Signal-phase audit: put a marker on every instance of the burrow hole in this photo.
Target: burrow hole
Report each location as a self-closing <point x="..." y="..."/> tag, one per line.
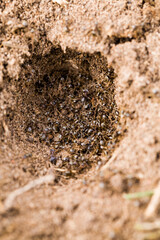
<point x="66" y="102"/>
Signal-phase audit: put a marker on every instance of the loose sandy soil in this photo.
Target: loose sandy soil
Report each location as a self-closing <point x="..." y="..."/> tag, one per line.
<point x="80" y="114"/>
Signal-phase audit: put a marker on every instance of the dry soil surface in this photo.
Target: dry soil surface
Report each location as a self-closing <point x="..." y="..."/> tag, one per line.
<point x="79" y="119"/>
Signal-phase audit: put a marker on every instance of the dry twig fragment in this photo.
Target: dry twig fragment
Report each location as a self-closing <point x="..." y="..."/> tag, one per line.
<point x="6" y="129"/>
<point x="12" y="196"/>
<point x="154" y="203"/>
<point x="60" y="2"/>
<point x="148" y="226"/>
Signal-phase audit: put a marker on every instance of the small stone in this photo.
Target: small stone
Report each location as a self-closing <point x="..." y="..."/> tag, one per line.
<point x="101" y="142"/>
<point x="136" y="203"/>
<point x="112" y="235"/>
<point x="103" y="125"/>
<point x="24" y="23"/>
<point x="99" y="163"/>
<point x="155" y="91"/>
<point x="72" y="150"/>
<point x="102" y="185"/>
<point x="29" y="129"/>
<point x="66" y="159"/>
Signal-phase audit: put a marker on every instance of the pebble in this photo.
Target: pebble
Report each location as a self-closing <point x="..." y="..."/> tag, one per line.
<point x="24" y="23"/>
<point x="102" y="185"/>
<point x="112" y="235"/>
<point x="155" y="91"/>
<point x="136" y="203"/>
<point x="101" y="142"/>
<point x="76" y="112"/>
<point x="29" y="129"/>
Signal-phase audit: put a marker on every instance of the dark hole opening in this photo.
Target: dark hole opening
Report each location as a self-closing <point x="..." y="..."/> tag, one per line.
<point x="66" y="102"/>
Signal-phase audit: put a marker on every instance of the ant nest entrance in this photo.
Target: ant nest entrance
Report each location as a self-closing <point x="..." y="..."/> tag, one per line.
<point x="66" y="101"/>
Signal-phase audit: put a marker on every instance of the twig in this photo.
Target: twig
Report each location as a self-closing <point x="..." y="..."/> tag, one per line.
<point x="153" y="205"/>
<point x="60" y="2"/>
<point x="12" y="196"/>
<point x="152" y="236"/>
<point x="136" y="195"/>
<point x="63" y="170"/>
<point x="149" y="230"/>
<point x="148" y="226"/>
<point x="60" y="169"/>
<point x="6" y="129"/>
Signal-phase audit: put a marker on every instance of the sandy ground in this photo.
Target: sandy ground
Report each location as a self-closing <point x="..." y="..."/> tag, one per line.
<point x="63" y="190"/>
